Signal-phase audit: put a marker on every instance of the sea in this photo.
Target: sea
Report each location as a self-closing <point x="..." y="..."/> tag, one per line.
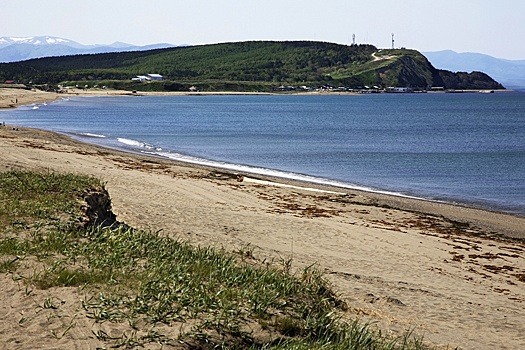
<point x="464" y="148"/>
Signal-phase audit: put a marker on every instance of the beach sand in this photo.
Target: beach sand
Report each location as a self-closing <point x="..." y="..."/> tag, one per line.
<point x="11" y="97"/>
<point x="14" y="97"/>
<point x="453" y="275"/>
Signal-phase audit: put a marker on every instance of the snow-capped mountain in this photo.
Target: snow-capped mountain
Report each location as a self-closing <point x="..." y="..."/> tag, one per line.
<point x="37" y="40"/>
<point x="14" y="49"/>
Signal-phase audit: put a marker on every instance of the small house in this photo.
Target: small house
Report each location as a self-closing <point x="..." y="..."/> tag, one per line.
<point x="399" y="89"/>
<point x="157" y="77"/>
<point x="141" y="78"/>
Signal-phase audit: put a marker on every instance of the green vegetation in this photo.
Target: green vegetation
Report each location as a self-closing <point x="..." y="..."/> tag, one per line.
<point x="159" y="290"/>
<point x="30" y="201"/>
<point x="245" y="66"/>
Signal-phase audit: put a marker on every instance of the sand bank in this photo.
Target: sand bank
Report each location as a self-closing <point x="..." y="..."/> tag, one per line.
<point x="11" y="97"/>
<point x="447" y="272"/>
<point x="14" y="97"/>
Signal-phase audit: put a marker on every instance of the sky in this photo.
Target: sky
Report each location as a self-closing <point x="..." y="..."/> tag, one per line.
<point x="496" y="28"/>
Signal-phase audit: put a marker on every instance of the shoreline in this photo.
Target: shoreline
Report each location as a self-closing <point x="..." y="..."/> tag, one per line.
<point x="499" y="223"/>
<point x="487" y="218"/>
<point x="16" y="97"/>
<point x="446" y="272"/>
<point x="469" y="211"/>
<point x="493" y="219"/>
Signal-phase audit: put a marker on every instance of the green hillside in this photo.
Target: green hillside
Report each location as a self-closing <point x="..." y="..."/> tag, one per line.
<point x="255" y="65"/>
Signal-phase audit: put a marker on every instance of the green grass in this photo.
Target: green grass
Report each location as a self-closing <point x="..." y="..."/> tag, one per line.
<point x="161" y="290"/>
<point x="29" y="199"/>
<point x="357" y="70"/>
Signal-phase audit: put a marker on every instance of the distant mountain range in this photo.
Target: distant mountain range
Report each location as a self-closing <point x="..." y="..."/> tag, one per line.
<point x="510" y="73"/>
<point x="14" y="49"/>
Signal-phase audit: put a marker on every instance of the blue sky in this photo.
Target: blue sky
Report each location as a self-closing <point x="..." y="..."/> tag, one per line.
<point x="492" y="27"/>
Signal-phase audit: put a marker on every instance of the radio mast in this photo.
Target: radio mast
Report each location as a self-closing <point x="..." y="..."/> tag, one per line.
<point x="353" y="39"/>
<point x="392" y="41"/>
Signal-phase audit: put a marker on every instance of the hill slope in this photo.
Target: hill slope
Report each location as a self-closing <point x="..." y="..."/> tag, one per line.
<point x="260" y="64"/>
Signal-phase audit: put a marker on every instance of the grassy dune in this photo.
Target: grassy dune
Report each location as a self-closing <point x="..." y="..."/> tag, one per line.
<point x="142" y="288"/>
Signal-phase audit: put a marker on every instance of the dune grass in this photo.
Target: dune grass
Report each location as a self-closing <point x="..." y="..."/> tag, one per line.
<point x="143" y="287"/>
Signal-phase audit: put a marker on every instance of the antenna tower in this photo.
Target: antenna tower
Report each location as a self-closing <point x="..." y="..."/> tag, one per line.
<point x="392" y="41"/>
<point x="353" y="39"/>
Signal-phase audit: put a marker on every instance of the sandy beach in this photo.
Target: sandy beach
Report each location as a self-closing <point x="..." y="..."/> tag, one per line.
<point x="14" y="97"/>
<point x="452" y="274"/>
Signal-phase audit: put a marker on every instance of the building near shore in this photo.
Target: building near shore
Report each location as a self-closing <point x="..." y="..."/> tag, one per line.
<point x="148" y="77"/>
<point x="140" y="78"/>
<point x="399" y="89"/>
<point x="157" y="77"/>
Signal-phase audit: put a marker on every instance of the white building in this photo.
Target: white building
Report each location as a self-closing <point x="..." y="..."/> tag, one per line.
<point x="155" y="77"/>
<point x="399" y="89"/>
<point x="148" y="77"/>
<point x="141" y="78"/>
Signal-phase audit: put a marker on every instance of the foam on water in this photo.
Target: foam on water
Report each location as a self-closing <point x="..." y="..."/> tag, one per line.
<point x="274" y="173"/>
<point x="138" y="144"/>
<point x="135" y="143"/>
<point x="92" y="135"/>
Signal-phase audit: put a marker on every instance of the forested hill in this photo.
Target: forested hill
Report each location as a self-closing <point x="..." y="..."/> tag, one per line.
<point x="255" y="65"/>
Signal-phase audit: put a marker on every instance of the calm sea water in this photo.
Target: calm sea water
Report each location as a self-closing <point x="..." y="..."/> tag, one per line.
<point x="466" y="148"/>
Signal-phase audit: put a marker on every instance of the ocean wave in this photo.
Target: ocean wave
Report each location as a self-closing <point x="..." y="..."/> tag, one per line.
<point x="276" y="173"/>
<point x="88" y="134"/>
<point x="138" y="144"/>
